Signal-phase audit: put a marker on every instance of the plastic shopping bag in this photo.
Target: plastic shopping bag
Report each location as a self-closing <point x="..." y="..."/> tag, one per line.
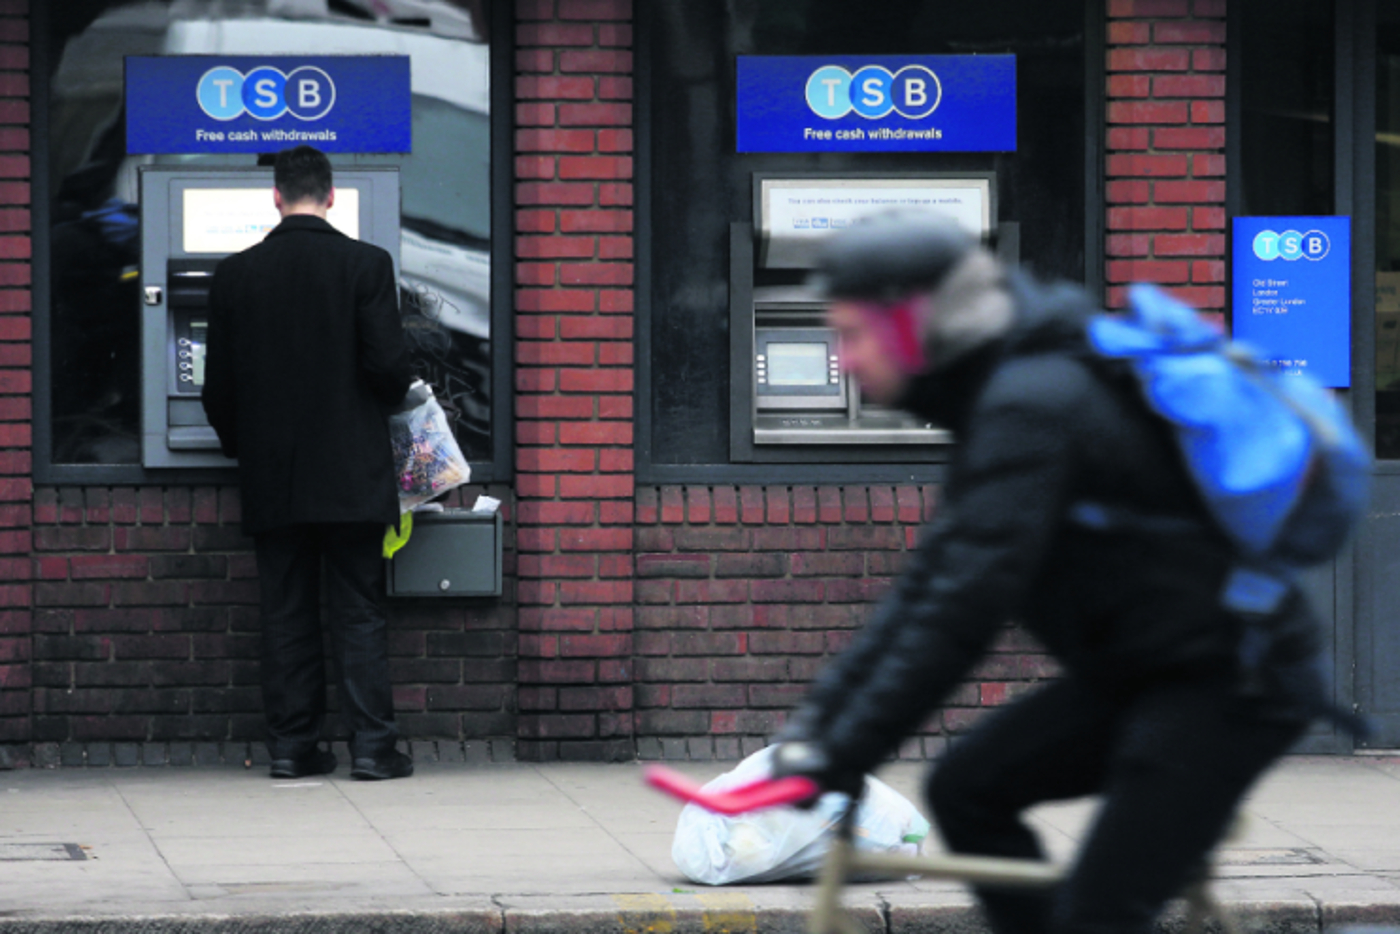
<point x="427" y="459"/>
<point x="784" y="842"/>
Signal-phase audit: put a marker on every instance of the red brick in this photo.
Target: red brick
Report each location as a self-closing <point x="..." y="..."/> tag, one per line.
<point x="1189" y="32"/>
<point x="595" y="221"/>
<point x="614" y="247"/>
<point x="1189" y="137"/>
<point x="612" y="644"/>
<point x="615" y="302"/>
<point x="527" y="407"/>
<point x="595" y="380"/>
<point x="554" y="460"/>
<point x="535" y="114"/>
<point x="554" y="87"/>
<point x="615" y="460"/>
<point x="595" y="273"/>
<point x="554" y="140"/>
<point x="1129" y="191"/>
<point x="563" y="193"/>
<point x="539" y="60"/>
<point x="556" y="300"/>
<point x="1208" y="218"/>
<point x="1207" y="112"/>
<point x="1129" y="245"/>
<point x="607" y="114"/>
<point x="535" y="273"/>
<point x="554" y="34"/>
<point x="595" y="433"/>
<point x="529" y="485"/>
<point x="1204" y="272"/>
<point x="1149" y="59"/>
<point x="534" y="9"/>
<point x="1157" y="112"/>
<point x="1147" y="218"/>
<point x="779" y="506"/>
<point x="531" y="380"/>
<point x="576" y="328"/>
<point x="609" y="486"/>
<point x="1146" y="8"/>
<point x="614" y="87"/>
<point x="595" y="539"/>
<point x="573" y="593"/>
<point x="1212" y="85"/>
<point x="1147" y="271"/>
<point x="595" y="61"/>
<point x="614" y="10"/>
<point x="1129" y="33"/>
<point x="1208" y="60"/>
<point x="1189" y="192"/>
<point x="615" y="194"/>
<point x="615" y="35"/>
<point x="615" y="141"/>
<point x="1129" y="86"/>
<point x="540" y="222"/>
<point x="536" y="327"/>
<point x="555" y="247"/>
<point x="555" y="513"/>
<point x="1132" y="138"/>
<point x="1208" y="165"/>
<point x="1189" y="244"/>
<point x="615" y="407"/>
<point x="595" y="167"/>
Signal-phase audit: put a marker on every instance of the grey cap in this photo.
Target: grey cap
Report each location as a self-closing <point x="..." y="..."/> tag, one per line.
<point x="891" y="254"/>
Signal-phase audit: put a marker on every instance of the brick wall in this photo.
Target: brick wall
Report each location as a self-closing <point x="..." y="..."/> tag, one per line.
<point x="145" y="629"/>
<point x="574" y="376"/>
<point x="743" y="593"/>
<point x="15" y="380"/>
<point x="1166" y="149"/>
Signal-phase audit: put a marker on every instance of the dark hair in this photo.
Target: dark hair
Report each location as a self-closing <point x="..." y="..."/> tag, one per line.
<point x="302" y="173"/>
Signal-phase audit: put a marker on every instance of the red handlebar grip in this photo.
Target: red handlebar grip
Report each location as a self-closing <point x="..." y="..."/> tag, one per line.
<point x="764" y="793"/>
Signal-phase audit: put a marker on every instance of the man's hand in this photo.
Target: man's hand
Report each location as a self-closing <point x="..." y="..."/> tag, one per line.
<point x="809" y="759"/>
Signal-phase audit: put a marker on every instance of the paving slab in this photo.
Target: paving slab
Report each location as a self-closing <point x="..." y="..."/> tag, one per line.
<point x="490" y="848"/>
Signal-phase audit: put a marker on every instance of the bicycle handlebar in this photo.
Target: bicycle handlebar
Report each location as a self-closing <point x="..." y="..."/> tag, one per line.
<point x="764" y="793"/>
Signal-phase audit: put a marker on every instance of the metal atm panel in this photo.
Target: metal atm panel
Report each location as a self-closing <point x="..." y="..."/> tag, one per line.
<point x="191" y="218"/>
<point x="797" y="402"/>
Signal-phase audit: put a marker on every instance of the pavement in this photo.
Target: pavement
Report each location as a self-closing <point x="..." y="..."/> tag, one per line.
<point x="515" y="848"/>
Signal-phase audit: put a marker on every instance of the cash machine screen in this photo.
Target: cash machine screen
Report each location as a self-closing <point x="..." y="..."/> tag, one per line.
<point x="227" y="220"/>
<point x="797" y="364"/>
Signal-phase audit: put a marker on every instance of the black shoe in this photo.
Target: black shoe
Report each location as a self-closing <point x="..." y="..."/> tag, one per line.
<point x="315" y="762"/>
<point x="391" y="765"/>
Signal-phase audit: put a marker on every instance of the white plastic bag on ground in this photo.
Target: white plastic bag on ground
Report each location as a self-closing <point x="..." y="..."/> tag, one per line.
<point x="785" y="842"/>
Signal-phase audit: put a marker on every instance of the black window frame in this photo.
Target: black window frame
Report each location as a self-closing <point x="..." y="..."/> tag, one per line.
<point x="498" y="469"/>
<point x="816" y="467"/>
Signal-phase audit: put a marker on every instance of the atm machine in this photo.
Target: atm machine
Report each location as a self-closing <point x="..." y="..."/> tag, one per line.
<point x="192" y="217"/>
<point x="785" y="360"/>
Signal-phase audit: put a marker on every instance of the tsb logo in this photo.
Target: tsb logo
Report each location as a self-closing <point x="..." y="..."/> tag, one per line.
<point x="1291" y="245"/>
<point x="873" y="92"/>
<point x="225" y="93"/>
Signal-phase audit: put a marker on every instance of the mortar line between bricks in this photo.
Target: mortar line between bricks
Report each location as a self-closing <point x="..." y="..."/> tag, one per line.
<point x="146" y="832"/>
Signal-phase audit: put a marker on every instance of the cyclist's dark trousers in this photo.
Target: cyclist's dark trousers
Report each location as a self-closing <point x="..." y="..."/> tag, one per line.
<point x="1172" y="764"/>
<point x="290" y="562"/>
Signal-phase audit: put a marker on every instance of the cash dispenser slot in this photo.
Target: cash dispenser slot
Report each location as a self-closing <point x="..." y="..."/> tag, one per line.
<point x="187" y="296"/>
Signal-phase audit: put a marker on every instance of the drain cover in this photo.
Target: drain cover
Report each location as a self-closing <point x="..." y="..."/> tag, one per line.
<point x="28" y="852"/>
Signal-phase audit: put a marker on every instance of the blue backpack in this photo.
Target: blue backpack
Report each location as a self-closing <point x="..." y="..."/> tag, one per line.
<point x="1275" y="458"/>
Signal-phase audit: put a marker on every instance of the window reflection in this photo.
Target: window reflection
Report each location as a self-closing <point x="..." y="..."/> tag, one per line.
<point x="445" y="250"/>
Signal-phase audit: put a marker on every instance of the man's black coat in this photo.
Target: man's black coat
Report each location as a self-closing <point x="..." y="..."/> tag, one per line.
<point x="1040" y="428"/>
<point x="306" y="354"/>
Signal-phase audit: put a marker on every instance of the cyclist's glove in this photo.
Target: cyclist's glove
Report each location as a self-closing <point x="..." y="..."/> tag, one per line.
<point x="809" y="759"/>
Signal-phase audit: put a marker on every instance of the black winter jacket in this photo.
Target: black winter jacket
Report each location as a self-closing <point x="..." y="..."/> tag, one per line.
<point x="306" y="355"/>
<point x="1040" y="426"/>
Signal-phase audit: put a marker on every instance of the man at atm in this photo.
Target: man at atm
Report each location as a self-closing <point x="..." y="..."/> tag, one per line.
<point x="306" y="355"/>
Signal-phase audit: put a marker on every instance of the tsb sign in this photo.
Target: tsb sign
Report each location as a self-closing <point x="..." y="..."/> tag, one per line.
<point x="265" y="93"/>
<point x="1291" y="245"/>
<point x="873" y="92"/>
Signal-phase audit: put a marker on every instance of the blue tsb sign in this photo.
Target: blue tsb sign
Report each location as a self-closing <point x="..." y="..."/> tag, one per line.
<point x="228" y="104"/>
<point x="887" y="103"/>
<point x="1292" y="293"/>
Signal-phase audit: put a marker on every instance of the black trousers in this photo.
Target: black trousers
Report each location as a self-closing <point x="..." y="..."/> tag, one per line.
<point x="290" y="565"/>
<point x="1172" y="764"/>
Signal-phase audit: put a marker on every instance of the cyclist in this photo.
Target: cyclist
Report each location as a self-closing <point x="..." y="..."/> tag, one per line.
<point x="1155" y="708"/>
